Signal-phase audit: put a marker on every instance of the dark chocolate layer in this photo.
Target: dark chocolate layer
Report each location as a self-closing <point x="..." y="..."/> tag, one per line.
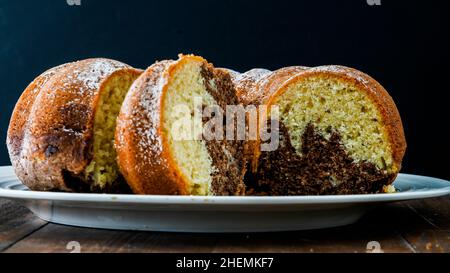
<point x="226" y="155"/>
<point x="76" y="183"/>
<point x="323" y="168"/>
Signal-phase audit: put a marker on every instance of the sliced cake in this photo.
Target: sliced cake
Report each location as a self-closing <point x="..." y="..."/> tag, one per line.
<point x="61" y="132"/>
<point x="339" y="130"/>
<point x="160" y="138"/>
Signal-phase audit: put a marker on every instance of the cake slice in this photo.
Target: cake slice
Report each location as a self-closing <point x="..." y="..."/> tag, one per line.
<point x="339" y="130"/>
<point x="61" y="132"/>
<point x="160" y="141"/>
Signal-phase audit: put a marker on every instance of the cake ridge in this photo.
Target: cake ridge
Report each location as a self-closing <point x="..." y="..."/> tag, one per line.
<point x="50" y="131"/>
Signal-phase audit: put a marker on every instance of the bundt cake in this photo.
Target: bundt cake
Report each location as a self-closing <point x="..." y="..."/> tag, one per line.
<point x="99" y="125"/>
<point x="160" y="138"/>
<point x="339" y="132"/>
<point x="61" y="133"/>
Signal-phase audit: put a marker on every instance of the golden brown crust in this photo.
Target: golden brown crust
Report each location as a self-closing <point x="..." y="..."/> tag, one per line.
<point x="50" y="132"/>
<point x="143" y="159"/>
<point x="247" y="84"/>
<point x="144" y="155"/>
<point x="141" y="146"/>
<point x="380" y="97"/>
<point x="21" y="111"/>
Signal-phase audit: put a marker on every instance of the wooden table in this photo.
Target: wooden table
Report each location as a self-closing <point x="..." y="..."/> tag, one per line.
<point x="414" y="226"/>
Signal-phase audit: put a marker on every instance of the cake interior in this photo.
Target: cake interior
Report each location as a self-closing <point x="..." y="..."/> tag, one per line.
<point x="332" y="141"/>
<point x="103" y="170"/>
<point x="209" y="166"/>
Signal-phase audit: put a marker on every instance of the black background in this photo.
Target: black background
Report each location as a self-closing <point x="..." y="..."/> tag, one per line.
<point x="402" y="44"/>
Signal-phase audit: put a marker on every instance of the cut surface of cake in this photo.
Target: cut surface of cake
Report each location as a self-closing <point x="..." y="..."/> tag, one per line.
<point x="339" y="131"/>
<point x="160" y="140"/>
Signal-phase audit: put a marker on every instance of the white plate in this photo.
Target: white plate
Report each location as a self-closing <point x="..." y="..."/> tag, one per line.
<point x="210" y="214"/>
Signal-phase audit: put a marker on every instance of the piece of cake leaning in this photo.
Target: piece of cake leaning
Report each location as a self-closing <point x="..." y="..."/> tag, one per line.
<point x="61" y="132"/>
<point x="160" y="140"/>
<point x="340" y="133"/>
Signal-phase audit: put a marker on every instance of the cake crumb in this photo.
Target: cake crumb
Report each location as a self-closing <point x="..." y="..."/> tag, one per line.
<point x="389" y="189"/>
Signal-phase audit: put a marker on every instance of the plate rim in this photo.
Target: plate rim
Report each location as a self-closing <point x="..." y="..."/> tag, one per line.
<point x="222" y="200"/>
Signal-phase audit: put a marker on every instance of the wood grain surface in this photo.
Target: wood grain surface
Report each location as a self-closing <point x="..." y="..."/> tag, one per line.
<point x="414" y="226"/>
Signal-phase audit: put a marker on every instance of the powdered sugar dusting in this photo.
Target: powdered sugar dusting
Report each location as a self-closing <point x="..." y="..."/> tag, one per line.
<point x="255" y="74"/>
<point x="24" y="117"/>
<point x="141" y="119"/>
<point x="349" y="72"/>
<point x="151" y="110"/>
<point x="96" y="72"/>
<point x="246" y="84"/>
<point x="60" y="104"/>
<point x="44" y="77"/>
<point x="148" y="134"/>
